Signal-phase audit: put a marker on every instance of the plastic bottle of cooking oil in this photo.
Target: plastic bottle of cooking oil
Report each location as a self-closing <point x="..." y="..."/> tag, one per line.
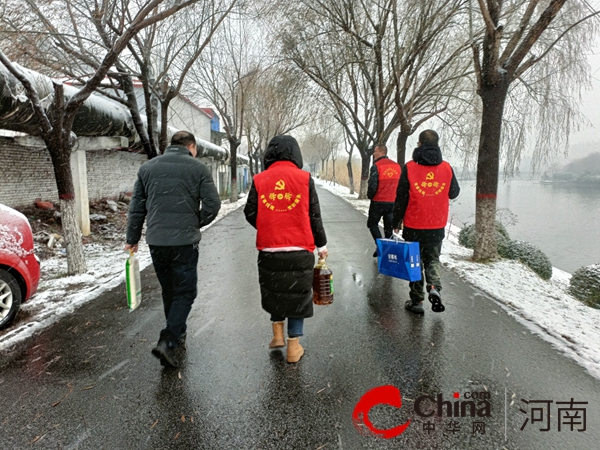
<point x="322" y="284"/>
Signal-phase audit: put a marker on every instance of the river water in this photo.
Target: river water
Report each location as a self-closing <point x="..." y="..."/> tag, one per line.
<point x="563" y="220"/>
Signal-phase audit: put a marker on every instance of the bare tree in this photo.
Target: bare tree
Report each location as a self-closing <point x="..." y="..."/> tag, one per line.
<point x="349" y="147"/>
<point x="383" y="64"/>
<point x="534" y="44"/>
<point x="56" y="119"/>
<point x="167" y="53"/>
<point x="279" y="102"/>
<point x="159" y="56"/>
<point x="224" y="75"/>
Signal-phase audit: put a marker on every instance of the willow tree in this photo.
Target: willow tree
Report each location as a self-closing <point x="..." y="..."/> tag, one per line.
<point x="57" y="112"/>
<point x="532" y="51"/>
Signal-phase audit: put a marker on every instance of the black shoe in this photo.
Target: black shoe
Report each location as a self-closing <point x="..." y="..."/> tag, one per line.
<point x="181" y="340"/>
<point x="376" y="254"/>
<point x="436" y="301"/>
<point x="165" y="353"/>
<point x="416" y="308"/>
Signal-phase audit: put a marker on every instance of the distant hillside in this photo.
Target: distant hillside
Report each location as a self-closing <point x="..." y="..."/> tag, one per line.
<point x="580" y="150"/>
<point x="584" y="170"/>
<point x="587" y="164"/>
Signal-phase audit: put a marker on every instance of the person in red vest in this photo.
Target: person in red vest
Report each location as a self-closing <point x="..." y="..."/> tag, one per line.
<point x="284" y="208"/>
<point x="422" y="202"/>
<point x="383" y="181"/>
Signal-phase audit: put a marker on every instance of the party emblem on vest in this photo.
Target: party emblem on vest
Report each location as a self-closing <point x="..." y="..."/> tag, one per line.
<point x="429" y="186"/>
<point x="390" y="172"/>
<point x="280" y="201"/>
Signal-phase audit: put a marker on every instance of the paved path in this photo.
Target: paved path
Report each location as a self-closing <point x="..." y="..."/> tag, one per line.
<point x="90" y="382"/>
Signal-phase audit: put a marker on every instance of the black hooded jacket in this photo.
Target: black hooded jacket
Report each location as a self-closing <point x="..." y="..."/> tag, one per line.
<point x="427" y="155"/>
<point x="286" y="148"/>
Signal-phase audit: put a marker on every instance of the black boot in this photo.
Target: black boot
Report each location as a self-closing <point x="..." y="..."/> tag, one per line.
<point x="436" y="300"/>
<point x="416" y="308"/>
<point x="166" y="353"/>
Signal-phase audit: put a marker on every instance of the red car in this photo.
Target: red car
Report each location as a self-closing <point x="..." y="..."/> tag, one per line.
<point x="19" y="267"/>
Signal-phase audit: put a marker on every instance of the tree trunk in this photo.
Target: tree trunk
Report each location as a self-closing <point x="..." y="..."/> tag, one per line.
<point x="151" y="111"/>
<point x="233" y="146"/>
<point x="60" y="151"/>
<point x="401" y="146"/>
<point x="333" y="171"/>
<point x="488" y="166"/>
<point x="250" y="164"/>
<point x="364" y="175"/>
<point x="350" y="174"/>
<point x="135" y="113"/>
<point x="163" y="141"/>
<point x="75" y="256"/>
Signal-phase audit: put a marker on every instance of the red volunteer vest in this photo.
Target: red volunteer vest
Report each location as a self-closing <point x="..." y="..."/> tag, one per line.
<point x="282" y="218"/>
<point x="389" y="175"/>
<point x="428" y="196"/>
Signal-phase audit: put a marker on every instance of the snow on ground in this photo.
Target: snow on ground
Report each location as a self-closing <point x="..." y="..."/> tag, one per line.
<point x="59" y="295"/>
<point x="544" y="307"/>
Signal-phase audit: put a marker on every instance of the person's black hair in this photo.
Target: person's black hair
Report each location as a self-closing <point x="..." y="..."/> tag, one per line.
<point x="383" y="147"/>
<point x="183" y="138"/>
<point x="429" y="137"/>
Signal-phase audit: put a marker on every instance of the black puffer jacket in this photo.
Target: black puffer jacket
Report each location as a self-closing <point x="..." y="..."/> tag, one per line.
<point x="168" y="193"/>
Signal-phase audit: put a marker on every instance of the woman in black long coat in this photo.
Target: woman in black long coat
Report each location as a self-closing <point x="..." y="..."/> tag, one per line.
<point x="283" y="206"/>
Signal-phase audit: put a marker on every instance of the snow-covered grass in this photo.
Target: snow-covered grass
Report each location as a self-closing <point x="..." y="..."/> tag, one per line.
<point x="544" y="307"/>
<point x="59" y="295"/>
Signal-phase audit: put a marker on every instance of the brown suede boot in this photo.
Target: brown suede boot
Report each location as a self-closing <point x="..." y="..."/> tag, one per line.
<point x="278" y="340"/>
<point x="294" y="350"/>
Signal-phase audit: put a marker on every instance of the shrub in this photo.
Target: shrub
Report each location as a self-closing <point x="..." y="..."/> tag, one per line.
<point x="467" y="237"/>
<point x="531" y="256"/>
<point x="585" y="285"/>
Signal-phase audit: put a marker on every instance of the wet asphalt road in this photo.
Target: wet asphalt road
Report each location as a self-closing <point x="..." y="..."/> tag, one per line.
<point x="90" y="381"/>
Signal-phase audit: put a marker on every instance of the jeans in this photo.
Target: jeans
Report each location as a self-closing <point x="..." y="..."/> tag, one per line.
<point x="295" y="326"/>
<point x="377" y="210"/>
<point x="176" y="268"/>
<point x="430" y="273"/>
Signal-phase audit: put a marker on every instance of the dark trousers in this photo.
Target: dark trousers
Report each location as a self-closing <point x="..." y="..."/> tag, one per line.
<point x="177" y="271"/>
<point x="430" y="272"/>
<point x="377" y="210"/>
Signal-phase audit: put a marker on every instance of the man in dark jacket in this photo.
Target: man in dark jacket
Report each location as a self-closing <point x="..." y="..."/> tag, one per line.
<point x="383" y="181"/>
<point x="283" y="206"/>
<point x="422" y="202"/>
<point x="167" y="194"/>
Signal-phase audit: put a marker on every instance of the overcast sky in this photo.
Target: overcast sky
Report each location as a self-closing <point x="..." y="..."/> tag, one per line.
<point x="590" y="105"/>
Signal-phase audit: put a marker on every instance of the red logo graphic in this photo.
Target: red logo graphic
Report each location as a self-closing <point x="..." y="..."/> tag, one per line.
<point x="381" y="395"/>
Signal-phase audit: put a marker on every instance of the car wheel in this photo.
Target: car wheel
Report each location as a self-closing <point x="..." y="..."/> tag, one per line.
<point x="10" y="298"/>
